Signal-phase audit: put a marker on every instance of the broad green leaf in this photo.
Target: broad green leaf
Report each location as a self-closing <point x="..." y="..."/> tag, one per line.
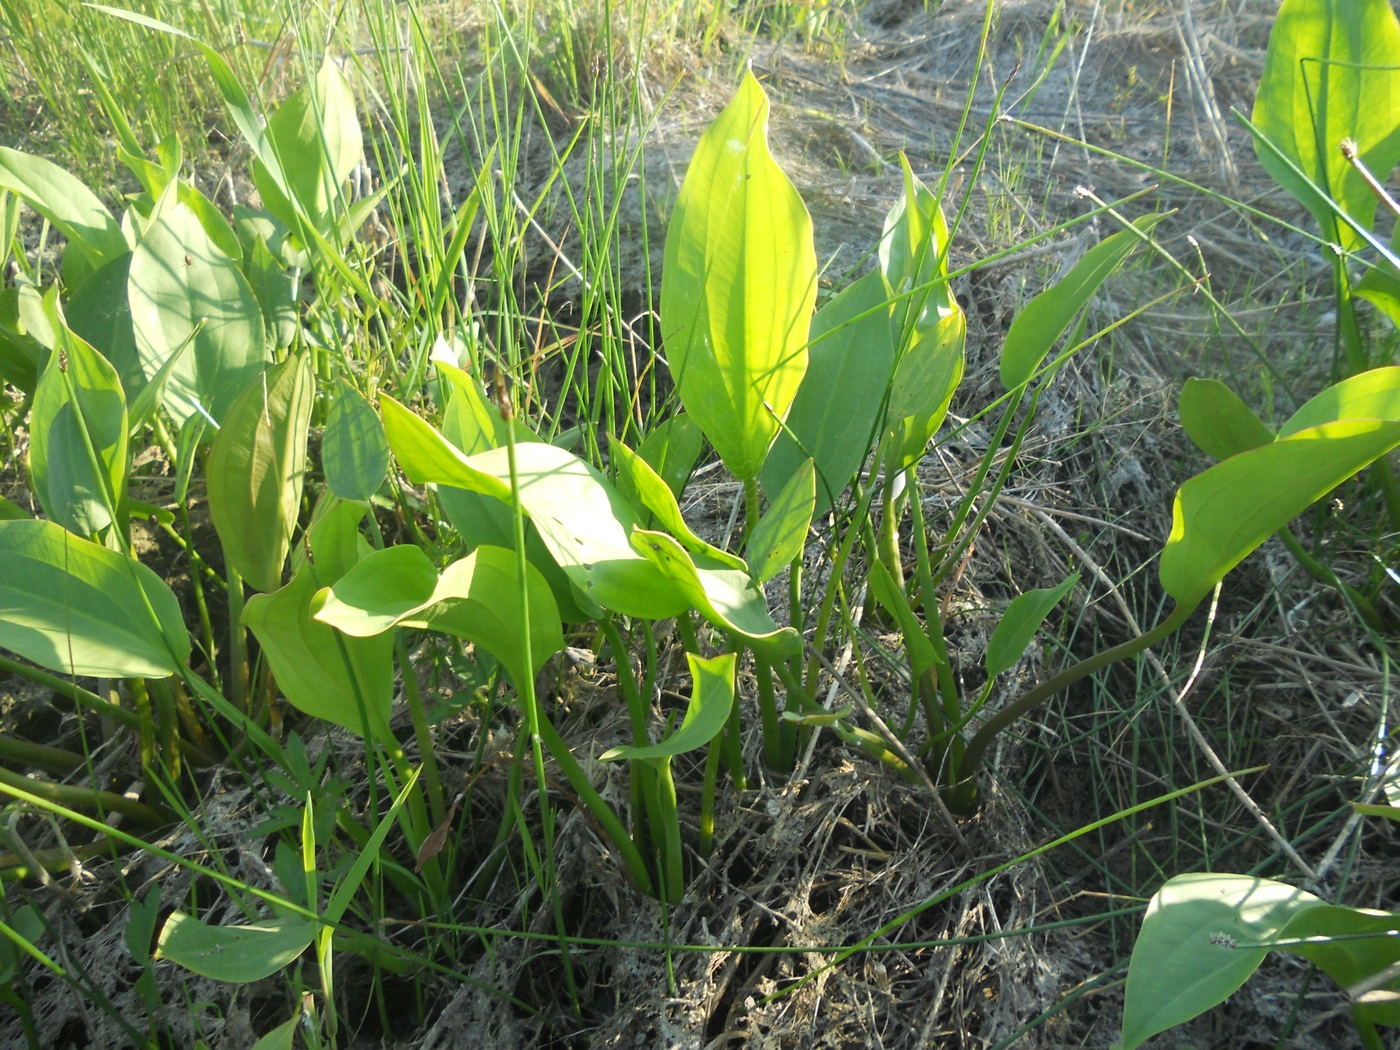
<point x="26" y="334"/>
<point x="334" y="532"/>
<point x="256" y="468"/>
<point x="182" y="284"/>
<point x="582" y="520"/>
<point x="354" y="451"/>
<point x="781" y="533"/>
<point x="320" y="671"/>
<point x="1019" y="623"/>
<point x="914" y="261"/>
<point x="1332" y="72"/>
<point x="283" y="1037"/>
<point x="1187" y="960"/>
<point x="429" y="458"/>
<point x="1045" y="318"/>
<point x="673" y="449"/>
<point x="738" y="287"/>
<point x="100" y="312"/>
<point x="888" y="593"/>
<point x="1223" y="514"/>
<point x="234" y="954"/>
<point x="724" y="596"/>
<point x="1381" y="288"/>
<point x="10" y="511"/>
<point x="378" y="591"/>
<point x="1349" y="945"/>
<point x="1368" y="395"/>
<point x="275" y="289"/>
<point x="1205" y="934"/>
<point x="469" y="421"/>
<point x="476" y="598"/>
<point x="835" y="417"/>
<point x="78" y="608"/>
<point x="316" y="138"/>
<point x="655" y="495"/>
<point x="711" y="697"/>
<point x="1217" y="421"/>
<point x="94" y="237"/>
<point x="925" y="380"/>
<point x="78" y="439"/>
<point x="211" y="219"/>
<point x="476" y="503"/>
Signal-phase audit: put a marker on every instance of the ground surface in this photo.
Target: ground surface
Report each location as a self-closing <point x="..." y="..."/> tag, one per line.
<point x="967" y="955"/>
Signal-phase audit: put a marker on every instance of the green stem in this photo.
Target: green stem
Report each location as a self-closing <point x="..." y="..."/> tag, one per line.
<point x="1324" y="575"/>
<point x="1027" y="702"/>
<point x="663" y="803"/>
<point x="50" y="759"/>
<point x="73" y="797"/>
<point x="864" y="496"/>
<point x="237" y="641"/>
<point x="707" y="796"/>
<point x="74" y="692"/>
<point x="596" y="806"/>
<point x="431" y="781"/>
<point x="639" y="773"/>
<point x="752" y="508"/>
<point x="768" y="711"/>
<point x="197" y="568"/>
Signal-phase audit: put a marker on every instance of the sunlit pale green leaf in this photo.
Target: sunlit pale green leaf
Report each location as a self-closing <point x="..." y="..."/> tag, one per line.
<point x="655" y="495"/>
<point x="256" y="468"/>
<point x="738" y="287"/>
<point x="925" y="380"/>
<point x="781" y="533"/>
<point x="234" y="954"/>
<point x="1223" y="514"/>
<point x="1332" y="72"/>
<point x="315" y="135"/>
<point x="94" y="237"/>
<point x="354" y="451"/>
<point x="78" y="608"/>
<point x="835" y="417"/>
<point x="711" y="697"/>
<point x="1045" y="318"/>
<point x="1369" y="395"/>
<point x="469" y="420"/>
<point x="1019" y="623"/>
<point x="582" y="520"/>
<point x="724" y="596"/>
<point x="476" y="598"/>
<point x="1187" y="957"/>
<point x="1217" y="421"/>
<point x="914" y="260"/>
<point x="673" y="449"/>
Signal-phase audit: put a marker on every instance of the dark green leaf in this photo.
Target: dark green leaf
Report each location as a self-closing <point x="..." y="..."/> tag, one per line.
<point x="354" y="451"/>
